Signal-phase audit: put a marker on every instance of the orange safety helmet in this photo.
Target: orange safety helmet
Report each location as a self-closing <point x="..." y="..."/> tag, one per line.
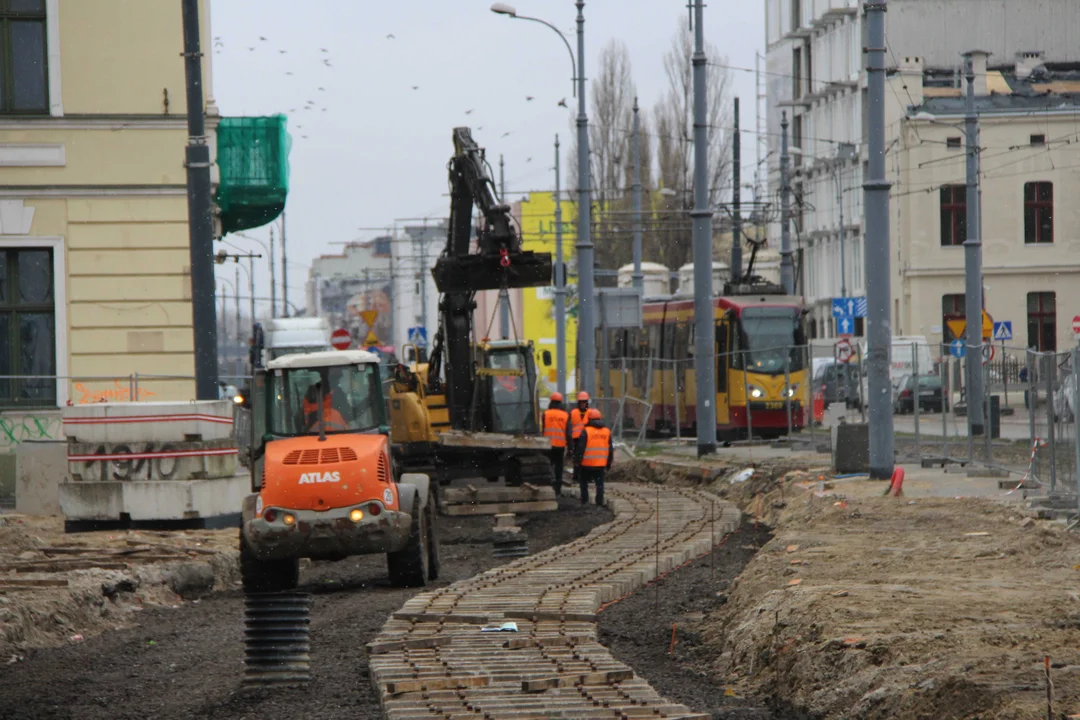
<point x="593" y="414"/>
<point x="583" y="396"/>
<point x="556" y="397"/>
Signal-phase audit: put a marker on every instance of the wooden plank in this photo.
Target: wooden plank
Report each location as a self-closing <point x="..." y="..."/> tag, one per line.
<point x="446" y="683"/>
<point x="33" y="582"/>
<point x="495" y="509"/>
<point x="414" y="644"/>
<point x="455" y="496"/>
<point x="546" y="642"/>
<point x="601" y="678"/>
<point x="556" y="616"/>
<point x="442" y="618"/>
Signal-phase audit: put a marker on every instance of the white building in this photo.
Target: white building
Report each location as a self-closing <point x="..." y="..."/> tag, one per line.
<point x="415" y="248"/>
<point x="814" y="60"/>
<point x="341" y="286"/>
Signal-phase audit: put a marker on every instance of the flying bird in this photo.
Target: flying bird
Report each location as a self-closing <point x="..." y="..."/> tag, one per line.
<point x="304" y="136"/>
<point x="390" y="36"/>
<point x="415" y="87"/>
<point x="262" y="38"/>
<point x="283" y="51"/>
<point x="527" y="160"/>
<point x="562" y="103"/>
<point x="528" y="98"/>
<point x="324" y="49"/>
<point x="322" y="89"/>
<point x="468" y="112"/>
<point x="505" y="134"/>
<point x="480" y="128"/>
<point x="289" y="72"/>
<point x="218" y="43"/>
<point x="326" y="63"/>
<point x="251" y="48"/>
<point x="324" y="109"/>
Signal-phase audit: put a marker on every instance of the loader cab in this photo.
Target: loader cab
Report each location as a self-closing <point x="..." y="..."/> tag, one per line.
<point x="506" y="375"/>
<point x="319" y="394"/>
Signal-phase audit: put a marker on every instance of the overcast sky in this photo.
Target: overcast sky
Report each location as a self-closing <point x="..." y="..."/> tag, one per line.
<point x="372" y="149"/>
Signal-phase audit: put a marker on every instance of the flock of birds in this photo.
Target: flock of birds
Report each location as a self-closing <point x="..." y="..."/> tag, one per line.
<point x="310" y="105"/>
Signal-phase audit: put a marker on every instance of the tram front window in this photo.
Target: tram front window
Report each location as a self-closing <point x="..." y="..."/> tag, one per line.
<point x="769" y="338"/>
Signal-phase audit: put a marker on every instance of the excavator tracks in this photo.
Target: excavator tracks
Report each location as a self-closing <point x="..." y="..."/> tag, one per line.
<point x="432" y="659"/>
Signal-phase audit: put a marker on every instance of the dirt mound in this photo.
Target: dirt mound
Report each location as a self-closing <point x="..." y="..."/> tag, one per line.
<point x="886" y="607"/>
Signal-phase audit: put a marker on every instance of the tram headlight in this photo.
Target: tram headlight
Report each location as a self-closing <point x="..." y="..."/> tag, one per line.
<point x="756" y="393"/>
<point x="791" y="391"/>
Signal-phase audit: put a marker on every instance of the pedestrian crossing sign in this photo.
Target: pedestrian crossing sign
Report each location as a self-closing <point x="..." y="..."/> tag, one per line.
<point x="1003" y="331"/>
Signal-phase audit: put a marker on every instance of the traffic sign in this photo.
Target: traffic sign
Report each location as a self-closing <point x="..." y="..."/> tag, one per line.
<point x="341" y="339"/>
<point x="1003" y="330"/>
<point x="844" y="351"/>
<point x="418" y="335"/>
<point x="371" y="339"/>
<point x="957" y="349"/>
<point x="845" y="325"/>
<point x="368" y="316"/>
<point x="987" y="353"/>
<point x="959" y="326"/>
<point x="1076" y="325"/>
<point x="849" y="307"/>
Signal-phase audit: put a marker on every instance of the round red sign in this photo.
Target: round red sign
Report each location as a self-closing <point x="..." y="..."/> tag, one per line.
<point x="341" y="339"/>
<point x="1076" y="324"/>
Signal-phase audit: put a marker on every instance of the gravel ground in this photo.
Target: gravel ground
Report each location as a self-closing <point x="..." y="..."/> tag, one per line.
<point x="188" y="662"/>
<point x="684" y="599"/>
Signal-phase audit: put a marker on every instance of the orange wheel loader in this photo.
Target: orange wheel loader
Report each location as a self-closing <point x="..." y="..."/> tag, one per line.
<point x="324" y="483"/>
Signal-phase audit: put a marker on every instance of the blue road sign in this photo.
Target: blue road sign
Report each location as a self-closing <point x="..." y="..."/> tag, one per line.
<point x="418" y="335"/>
<point x="845" y="325"/>
<point x="849" y="307"/>
<point x="1003" y="330"/>
<point x="957" y="349"/>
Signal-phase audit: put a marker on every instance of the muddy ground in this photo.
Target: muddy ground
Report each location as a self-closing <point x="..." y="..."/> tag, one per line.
<point x="187" y="661"/>
<point x="676" y="607"/>
<point x="880" y="607"/>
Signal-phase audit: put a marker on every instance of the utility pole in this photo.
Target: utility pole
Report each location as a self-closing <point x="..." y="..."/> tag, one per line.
<point x="638" y="277"/>
<point x="239" y="342"/>
<point x="560" y="285"/>
<point x="200" y="221"/>
<point x="973" y="301"/>
<point x="423" y="281"/>
<point x="584" y="245"/>
<point x="878" y="277"/>
<point x="284" y="271"/>
<point x="273" y="277"/>
<point x="760" y="137"/>
<point x="504" y="294"/>
<point x="736" y="200"/>
<point x="704" y="333"/>
<point x="787" y="269"/>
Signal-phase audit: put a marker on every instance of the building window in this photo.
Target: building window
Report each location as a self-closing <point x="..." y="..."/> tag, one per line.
<point x="953" y="143"/>
<point x="953" y="215"/>
<point x="1042" y="321"/>
<point x="23" y="72"/>
<point x="27" y="328"/>
<point x="1038" y="139"/>
<point x="796" y="68"/>
<point x="1038" y="212"/>
<point x="953" y="307"/>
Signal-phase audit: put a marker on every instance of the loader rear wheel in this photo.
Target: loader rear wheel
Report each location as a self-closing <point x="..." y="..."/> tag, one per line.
<point x="433" y="540"/>
<point x="411" y="566"/>
<point x="266" y="576"/>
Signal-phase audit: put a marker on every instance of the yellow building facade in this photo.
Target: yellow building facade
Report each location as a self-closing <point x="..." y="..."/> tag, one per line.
<point x="536" y="213"/>
<point x="94" y="252"/>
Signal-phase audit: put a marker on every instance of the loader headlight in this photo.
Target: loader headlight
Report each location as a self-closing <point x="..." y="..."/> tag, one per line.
<point x="289" y="519"/>
<point x="356" y="515"/>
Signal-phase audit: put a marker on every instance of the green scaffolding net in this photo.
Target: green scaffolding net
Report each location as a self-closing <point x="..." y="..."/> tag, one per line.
<point x="253" y="158"/>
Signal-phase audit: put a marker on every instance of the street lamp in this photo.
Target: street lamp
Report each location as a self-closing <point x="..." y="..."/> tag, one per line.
<point x="220" y="259"/>
<point x="273" y="272"/>
<point x="584" y="246"/>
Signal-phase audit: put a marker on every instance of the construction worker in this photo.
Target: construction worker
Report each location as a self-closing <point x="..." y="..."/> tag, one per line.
<point x="554" y="423"/>
<point x="333" y="420"/>
<point x="577" y="417"/>
<point x="593" y="454"/>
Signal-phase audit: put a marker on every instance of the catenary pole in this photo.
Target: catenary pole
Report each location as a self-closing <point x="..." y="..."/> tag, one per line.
<point x="878" y="276"/>
<point x="638" y="277"/>
<point x="284" y="271"/>
<point x="787" y="269"/>
<point x="584" y="245"/>
<point x="973" y="301"/>
<point x="504" y="294"/>
<point x="560" y="285"/>
<point x="736" y="199"/>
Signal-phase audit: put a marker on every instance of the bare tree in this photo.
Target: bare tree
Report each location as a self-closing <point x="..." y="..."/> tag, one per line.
<point x="674" y="119"/>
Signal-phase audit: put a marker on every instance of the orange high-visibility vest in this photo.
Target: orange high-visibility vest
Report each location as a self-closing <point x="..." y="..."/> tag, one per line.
<point x="577" y="422"/>
<point x="597" y="440"/>
<point x="555" y="421"/>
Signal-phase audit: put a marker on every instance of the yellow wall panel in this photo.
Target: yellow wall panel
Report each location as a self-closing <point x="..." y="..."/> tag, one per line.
<point x="89" y="342"/>
<point x="127" y="262"/>
<point x="50" y="217"/>
<point x="84" y="391"/>
<point x="134" y="314"/>
<point x="128" y="209"/>
<point x="128" y="236"/>
<point x="122" y="365"/>
<point x="104" y="157"/>
<point x="127" y="289"/>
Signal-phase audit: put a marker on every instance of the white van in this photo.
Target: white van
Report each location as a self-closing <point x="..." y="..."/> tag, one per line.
<point x="903" y="354"/>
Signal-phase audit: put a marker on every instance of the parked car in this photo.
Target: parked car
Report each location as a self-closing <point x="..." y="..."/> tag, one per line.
<point x="930" y="393"/>
<point x="832" y="377"/>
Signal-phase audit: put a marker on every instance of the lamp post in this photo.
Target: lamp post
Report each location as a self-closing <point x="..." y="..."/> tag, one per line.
<point x="269" y="248"/>
<point x="220" y="259"/>
<point x="586" y="321"/>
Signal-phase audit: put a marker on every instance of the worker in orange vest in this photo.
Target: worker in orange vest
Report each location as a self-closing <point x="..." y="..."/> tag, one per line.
<point x="577" y="418"/>
<point x="554" y="423"/>
<point x="593" y="454"/>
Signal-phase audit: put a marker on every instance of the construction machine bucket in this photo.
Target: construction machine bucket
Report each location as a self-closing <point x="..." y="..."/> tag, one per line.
<point x="472" y="273"/>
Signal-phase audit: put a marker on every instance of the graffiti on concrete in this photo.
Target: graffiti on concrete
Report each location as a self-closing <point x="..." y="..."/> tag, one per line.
<point x="118" y="393"/>
<point x="17" y="429"/>
<point x="139" y="462"/>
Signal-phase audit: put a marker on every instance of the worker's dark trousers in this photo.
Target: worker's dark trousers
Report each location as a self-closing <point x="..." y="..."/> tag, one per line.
<point x="557" y="456"/>
<point x="596" y="475"/>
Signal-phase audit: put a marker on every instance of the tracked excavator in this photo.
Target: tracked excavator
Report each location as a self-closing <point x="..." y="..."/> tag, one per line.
<point x="472" y="409"/>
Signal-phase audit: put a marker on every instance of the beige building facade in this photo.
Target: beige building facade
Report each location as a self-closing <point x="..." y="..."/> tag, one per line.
<point x="94" y="253"/>
<point x="1030" y="177"/>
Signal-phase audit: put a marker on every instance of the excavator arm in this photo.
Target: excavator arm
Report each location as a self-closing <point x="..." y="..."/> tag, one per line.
<point x="498" y="262"/>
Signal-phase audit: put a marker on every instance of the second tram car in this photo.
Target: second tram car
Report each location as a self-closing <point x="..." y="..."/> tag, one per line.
<point x="761" y="364"/>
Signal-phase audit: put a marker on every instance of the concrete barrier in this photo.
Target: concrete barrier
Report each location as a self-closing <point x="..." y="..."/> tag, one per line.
<point x="159" y="422"/>
<point x="150" y="460"/>
<point x="40" y="466"/>
<point x="211" y="502"/>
